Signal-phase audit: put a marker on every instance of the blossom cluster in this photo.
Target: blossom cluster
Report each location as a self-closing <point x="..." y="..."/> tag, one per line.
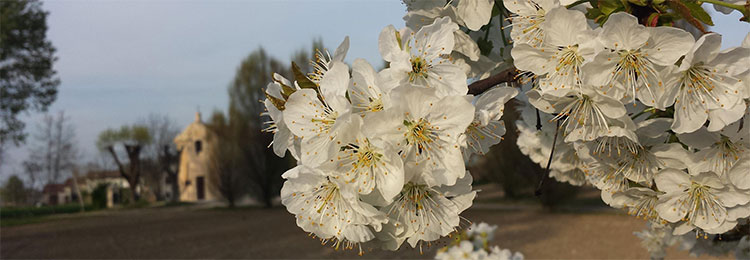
<point x="655" y="119"/>
<point x="381" y="153"/>
<point x="473" y="243"/>
<point x="657" y="237"/>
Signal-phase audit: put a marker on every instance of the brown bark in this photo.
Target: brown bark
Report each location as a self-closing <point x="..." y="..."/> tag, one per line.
<point x="481" y="86"/>
<point x="134" y="152"/>
<point x="133" y="175"/>
<point x="167" y="159"/>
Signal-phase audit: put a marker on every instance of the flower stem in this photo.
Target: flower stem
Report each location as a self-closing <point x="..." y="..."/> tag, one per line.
<point x="549" y="162"/>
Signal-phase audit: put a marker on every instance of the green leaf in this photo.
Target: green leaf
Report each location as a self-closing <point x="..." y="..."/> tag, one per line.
<point x="278" y="103"/>
<point x="609" y="7"/>
<point x="638" y="2"/>
<point x="286" y="90"/>
<point x="485" y="46"/>
<point x="302" y="80"/>
<point x="698" y="12"/>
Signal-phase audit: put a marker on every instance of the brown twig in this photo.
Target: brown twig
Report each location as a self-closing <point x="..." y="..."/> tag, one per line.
<point x="685" y="12"/>
<point x="481" y="86"/>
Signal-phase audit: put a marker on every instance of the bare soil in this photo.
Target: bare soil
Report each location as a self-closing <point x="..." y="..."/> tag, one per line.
<point x="187" y="232"/>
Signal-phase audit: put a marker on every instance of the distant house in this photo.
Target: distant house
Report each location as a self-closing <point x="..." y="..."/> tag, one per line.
<point x="196" y="144"/>
<point x="54" y="194"/>
<point x="58" y="194"/>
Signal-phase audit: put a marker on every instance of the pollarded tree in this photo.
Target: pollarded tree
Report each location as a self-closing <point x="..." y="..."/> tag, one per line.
<point x="27" y="78"/>
<point x="132" y="139"/>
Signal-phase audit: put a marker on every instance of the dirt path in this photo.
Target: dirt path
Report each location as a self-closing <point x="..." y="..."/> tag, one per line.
<point x="256" y="233"/>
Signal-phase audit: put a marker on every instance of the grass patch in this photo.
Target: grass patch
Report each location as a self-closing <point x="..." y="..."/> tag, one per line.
<point x="25" y="212"/>
<point x="176" y="204"/>
<point x="9" y="222"/>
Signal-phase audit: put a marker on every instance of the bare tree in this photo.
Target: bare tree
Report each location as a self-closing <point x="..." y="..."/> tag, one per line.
<point x="33" y="172"/>
<point x="161" y="155"/>
<point x="2" y="153"/>
<point x="53" y="152"/>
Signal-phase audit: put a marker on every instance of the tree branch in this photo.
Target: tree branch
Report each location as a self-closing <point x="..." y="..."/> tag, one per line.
<point x="481" y="86"/>
<point x="111" y="150"/>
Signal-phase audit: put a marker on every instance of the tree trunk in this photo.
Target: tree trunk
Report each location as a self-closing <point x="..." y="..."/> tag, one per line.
<point x="168" y="158"/>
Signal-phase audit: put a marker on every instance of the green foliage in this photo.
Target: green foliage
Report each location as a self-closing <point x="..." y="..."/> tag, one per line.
<point x="27" y="79"/>
<point x="659" y="12"/>
<point x="697" y="11"/>
<point x="302" y="80"/>
<point x="242" y="162"/>
<point x="24" y="212"/>
<point x="129" y="134"/>
<point x="14" y="191"/>
<point x="99" y="197"/>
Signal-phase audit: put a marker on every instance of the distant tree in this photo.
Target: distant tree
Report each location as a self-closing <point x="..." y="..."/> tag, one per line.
<point x="53" y="151"/>
<point x="242" y="161"/>
<point x="262" y="167"/>
<point x="161" y="154"/>
<point x="33" y="171"/>
<point x="27" y="79"/>
<point x="14" y="192"/>
<point x="225" y="162"/>
<point x="2" y="153"/>
<point x="132" y="139"/>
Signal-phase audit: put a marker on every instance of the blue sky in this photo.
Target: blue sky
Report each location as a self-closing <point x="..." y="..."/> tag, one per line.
<point x="122" y="60"/>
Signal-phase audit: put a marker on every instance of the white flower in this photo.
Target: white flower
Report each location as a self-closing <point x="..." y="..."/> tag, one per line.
<point x="424" y="213"/>
<point x="504" y="254"/>
<point x="643" y="158"/>
<point x="481" y="234"/>
<point x="739" y="175"/>
<point x="656" y="238"/>
<point x="527" y="18"/>
<point x="317" y="121"/>
<point x="420" y="59"/>
<point x="367" y="92"/>
<point x="475" y="13"/>
<point x="639" y="201"/>
<point x="282" y="137"/>
<point x="628" y="64"/>
<point x="701" y="200"/>
<point x="417" y="19"/>
<point x="566" y="165"/>
<point x="486" y="129"/>
<point x="569" y="44"/>
<point x="481" y="231"/>
<point x="584" y="115"/>
<point x="718" y="151"/>
<point x="324" y="62"/>
<point x="368" y="163"/>
<point x="606" y="178"/>
<point x="426" y="129"/>
<point x="324" y="206"/>
<point x="727" y="10"/>
<point x="414" y="5"/>
<point x="706" y="244"/>
<point x="707" y="81"/>
<point x="464" y="250"/>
